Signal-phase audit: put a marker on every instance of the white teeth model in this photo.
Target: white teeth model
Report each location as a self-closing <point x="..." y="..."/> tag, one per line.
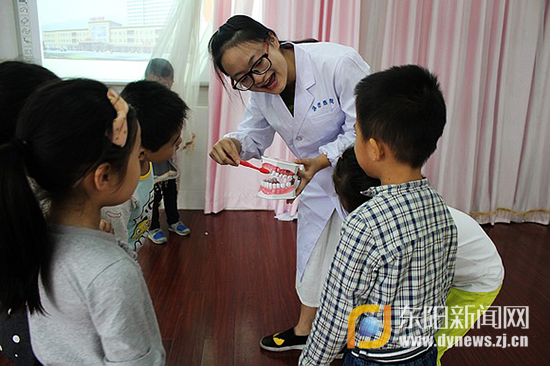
<point x="279" y="184"/>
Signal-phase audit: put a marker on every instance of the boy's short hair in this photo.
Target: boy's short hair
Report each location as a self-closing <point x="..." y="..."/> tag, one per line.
<point x="161" y="68"/>
<point x="350" y="180"/>
<point x="160" y="112"/>
<point x="404" y="108"/>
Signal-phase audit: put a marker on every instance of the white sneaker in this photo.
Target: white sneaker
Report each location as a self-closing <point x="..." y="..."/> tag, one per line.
<point x="157" y="236"/>
<point x="179" y="228"/>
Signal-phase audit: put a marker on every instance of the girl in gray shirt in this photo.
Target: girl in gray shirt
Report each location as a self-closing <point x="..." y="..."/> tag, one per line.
<point x="87" y="300"/>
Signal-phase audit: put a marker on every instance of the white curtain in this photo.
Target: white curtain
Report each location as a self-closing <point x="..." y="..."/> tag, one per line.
<point x="492" y="59"/>
<point x="183" y="43"/>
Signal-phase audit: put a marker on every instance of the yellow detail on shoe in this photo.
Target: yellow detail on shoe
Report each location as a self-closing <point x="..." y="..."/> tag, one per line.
<point x="278" y="341"/>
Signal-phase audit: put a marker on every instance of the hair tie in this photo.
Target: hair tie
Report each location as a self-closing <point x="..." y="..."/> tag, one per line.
<point x="120" y="124"/>
<point x="21" y="145"/>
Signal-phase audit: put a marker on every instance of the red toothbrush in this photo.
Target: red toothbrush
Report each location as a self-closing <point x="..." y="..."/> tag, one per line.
<point x="261" y="170"/>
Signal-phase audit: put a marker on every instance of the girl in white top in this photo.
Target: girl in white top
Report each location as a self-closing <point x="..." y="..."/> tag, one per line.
<point x="87" y="300"/>
<point x="478" y="278"/>
<point x="305" y="93"/>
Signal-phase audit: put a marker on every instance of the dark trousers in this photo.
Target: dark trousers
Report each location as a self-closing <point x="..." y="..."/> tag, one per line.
<point x="427" y="359"/>
<point x="168" y="191"/>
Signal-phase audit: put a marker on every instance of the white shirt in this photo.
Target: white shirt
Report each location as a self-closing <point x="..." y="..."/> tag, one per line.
<point x="323" y="123"/>
<point x="478" y="265"/>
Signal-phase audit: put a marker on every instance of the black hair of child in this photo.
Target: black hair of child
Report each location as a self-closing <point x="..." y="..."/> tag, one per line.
<point x="160" y="111"/>
<point x="350" y="180"/>
<point x="62" y="134"/>
<point x="404" y="108"/>
<point x="17" y="81"/>
<point x="161" y="68"/>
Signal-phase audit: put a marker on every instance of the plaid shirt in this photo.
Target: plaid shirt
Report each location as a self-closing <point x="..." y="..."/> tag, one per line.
<point x="397" y="249"/>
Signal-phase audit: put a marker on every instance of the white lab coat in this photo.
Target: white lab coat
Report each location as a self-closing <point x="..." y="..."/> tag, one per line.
<point x="323" y="123"/>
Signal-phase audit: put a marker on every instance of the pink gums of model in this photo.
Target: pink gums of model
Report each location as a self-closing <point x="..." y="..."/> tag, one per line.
<point x="282" y="181"/>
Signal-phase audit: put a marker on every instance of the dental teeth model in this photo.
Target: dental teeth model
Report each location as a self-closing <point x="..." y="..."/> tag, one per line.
<point x="282" y="181"/>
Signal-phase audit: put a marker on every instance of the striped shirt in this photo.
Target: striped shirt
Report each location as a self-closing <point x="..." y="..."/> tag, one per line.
<point x="397" y="249"/>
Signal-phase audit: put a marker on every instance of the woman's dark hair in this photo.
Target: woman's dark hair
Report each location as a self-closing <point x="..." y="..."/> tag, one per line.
<point x="17" y="81"/>
<point x="350" y="180"/>
<point x="62" y="134"/>
<point x="161" y="68"/>
<point x="236" y="30"/>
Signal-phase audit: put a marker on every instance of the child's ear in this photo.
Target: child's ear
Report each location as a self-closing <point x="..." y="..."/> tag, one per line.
<point x="376" y="149"/>
<point x="142" y="155"/>
<point x="103" y="177"/>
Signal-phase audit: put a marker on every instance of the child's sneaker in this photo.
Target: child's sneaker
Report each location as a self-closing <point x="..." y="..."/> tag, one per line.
<point x="157" y="236"/>
<point x="179" y="228"/>
<point x="284" y="341"/>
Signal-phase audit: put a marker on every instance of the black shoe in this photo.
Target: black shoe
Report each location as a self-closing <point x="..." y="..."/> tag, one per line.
<point x="284" y="341"/>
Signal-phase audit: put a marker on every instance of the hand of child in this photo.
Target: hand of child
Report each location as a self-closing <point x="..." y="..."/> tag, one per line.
<point x="106" y="226"/>
<point x="226" y="151"/>
<point x="311" y="167"/>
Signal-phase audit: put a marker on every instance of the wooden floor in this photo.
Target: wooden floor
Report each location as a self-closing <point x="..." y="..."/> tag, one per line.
<point x="219" y="290"/>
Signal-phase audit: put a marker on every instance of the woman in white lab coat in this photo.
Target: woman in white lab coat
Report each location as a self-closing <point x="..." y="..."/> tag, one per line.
<point x="304" y="92"/>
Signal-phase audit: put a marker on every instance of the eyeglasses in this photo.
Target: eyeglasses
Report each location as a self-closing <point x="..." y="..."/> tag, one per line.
<point x="260" y="67"/>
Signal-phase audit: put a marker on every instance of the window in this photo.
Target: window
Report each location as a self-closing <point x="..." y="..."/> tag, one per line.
<point x="105" y="40"/>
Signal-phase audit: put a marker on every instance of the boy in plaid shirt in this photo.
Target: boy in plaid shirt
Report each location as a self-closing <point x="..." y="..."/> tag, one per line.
<point x="399" y="248"/>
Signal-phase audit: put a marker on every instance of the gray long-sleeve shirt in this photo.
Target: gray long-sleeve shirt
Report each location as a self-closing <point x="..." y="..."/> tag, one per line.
<point x="98" y="310"/>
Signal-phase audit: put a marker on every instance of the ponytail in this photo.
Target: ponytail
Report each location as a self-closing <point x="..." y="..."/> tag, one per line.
<point x="62" y="134"/>
<point x="305" y="40"/>
<point x="24" y="247"/>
